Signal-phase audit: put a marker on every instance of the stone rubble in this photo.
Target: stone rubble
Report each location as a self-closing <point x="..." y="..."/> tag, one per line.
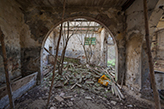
<point x="80" y="78"/>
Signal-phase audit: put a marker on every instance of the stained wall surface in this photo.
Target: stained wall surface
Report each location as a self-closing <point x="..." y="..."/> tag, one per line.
<point x="26" y="25"/>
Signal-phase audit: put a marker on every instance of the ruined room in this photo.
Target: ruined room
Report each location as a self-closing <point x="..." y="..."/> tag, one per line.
<point x="81" y="54"/>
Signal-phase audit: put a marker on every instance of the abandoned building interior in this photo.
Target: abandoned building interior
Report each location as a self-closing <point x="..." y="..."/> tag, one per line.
<point x="77" y="54"/>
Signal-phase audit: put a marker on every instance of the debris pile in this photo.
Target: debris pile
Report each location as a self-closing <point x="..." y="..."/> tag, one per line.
<point x="79" y="86"/>
<point x="95" y="79"/>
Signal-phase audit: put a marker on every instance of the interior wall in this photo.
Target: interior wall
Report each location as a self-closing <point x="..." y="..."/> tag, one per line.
<point x="11" y="23"/>
<point x="134" y="39"/>
<point x="160" y="45"/>
<point x="75" y="48"/>
<point x="26" y="28"/>
<point x="136" y="44"/>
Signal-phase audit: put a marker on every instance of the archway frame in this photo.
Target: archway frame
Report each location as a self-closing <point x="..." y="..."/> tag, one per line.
<point x="89" y="19"/>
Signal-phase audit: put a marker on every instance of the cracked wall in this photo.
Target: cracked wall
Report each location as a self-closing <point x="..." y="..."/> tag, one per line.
<point x="11" y="22"/>
<point x="27" y="28"/>
<point x="136" y="59"/>
<point x="41" y="22"/>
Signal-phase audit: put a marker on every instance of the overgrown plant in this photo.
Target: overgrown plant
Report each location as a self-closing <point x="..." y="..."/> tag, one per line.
<point x="66" y="37"/>
<point x="88" y="51"/>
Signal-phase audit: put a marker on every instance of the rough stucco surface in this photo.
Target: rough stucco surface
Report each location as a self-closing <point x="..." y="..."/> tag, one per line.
<point x="11" y="21"/>
<point x="26" y="27"/>
<point x="160" y="45"/>
<point x="40" y="21"/>
<point x="133" y="77"/>
<point x="75" y="48"/>
<point x="137" y="63"/>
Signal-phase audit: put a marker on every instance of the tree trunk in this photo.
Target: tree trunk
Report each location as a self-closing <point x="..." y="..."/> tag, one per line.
<point x="151" y="67"/>
<point x="9" y="90"/>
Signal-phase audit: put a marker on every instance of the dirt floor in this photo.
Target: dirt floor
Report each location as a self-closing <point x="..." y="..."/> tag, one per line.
<point x="64" y="98"/>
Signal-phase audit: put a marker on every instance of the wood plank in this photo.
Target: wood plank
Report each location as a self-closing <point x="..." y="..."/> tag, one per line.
<point x="4" y="101"/>
<point x="17" y="84"/>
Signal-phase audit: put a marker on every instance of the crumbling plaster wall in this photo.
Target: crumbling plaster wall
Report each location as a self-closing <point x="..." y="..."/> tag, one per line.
<point x="40" y="20"/>
<point x="136" y="59"/>
<point x="75" y="47"/>
<point x="12" y="24"/>
<point x="160" y="45"/>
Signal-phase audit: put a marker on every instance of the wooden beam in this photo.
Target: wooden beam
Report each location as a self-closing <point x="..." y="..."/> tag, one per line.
<point x="127" y="4"/>
<point x="151" y="66"/>
<point x="19" y="87"/>
<point x="83" y="27"/>
<point x="6" y="70"/>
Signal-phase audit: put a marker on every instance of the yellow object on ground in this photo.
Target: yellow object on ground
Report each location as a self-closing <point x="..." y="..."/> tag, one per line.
<point x="104" y="80"/>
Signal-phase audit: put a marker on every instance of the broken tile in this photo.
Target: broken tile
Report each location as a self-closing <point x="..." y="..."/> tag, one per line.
<point x="53" y="107"/>
<point x="62" y="94"/>
<point x="70" y="104"/>
<point x="113" y="102"/>
<point x="89" y="82"/>
<point x="58" y="98"/>
<point x="130" y="105"/>
<point x="88" y="98"/>
<point x="67" y="97"/>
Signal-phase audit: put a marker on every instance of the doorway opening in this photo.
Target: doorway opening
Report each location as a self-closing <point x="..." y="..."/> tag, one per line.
<point x="82" y="41"/>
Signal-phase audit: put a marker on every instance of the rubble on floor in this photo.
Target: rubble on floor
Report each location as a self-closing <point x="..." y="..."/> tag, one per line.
<point x="78" y="87"/>
<point x="95" y="79"/>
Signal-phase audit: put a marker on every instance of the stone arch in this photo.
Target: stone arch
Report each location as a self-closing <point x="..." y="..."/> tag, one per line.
<point x="109" y="28"/>
<point x="155" y="16"/>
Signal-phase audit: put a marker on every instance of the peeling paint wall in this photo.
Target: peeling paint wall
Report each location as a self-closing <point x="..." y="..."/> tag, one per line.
<point x="136" y="60"/>
<point x="133" y="77"/>
<point x="135" y="38"/>
<point x="29" y="27"/>
<point x="75" y="49"/>
<point x="11" y="22"/>
<point x="160" y="45"/>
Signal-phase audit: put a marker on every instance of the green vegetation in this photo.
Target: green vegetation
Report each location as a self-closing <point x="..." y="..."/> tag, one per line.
<point x="111" y="63"/>
<point x="72" y="60"/>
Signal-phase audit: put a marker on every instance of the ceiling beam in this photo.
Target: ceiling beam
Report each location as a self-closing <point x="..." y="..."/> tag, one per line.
<point x="127" y="4"/>
<point x="82" y="26"/>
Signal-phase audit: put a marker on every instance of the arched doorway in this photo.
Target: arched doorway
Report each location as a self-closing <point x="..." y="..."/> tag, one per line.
<point x="101" y="40"/>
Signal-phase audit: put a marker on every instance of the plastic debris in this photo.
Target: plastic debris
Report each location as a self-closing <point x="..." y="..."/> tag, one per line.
<point x="104" y="80"/>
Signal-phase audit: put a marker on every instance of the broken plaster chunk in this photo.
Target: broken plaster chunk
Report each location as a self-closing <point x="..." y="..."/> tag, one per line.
<point x="53" y="107"/>
<point x="65" y="62"/>
<point x="62" y="94"/>
<point x="58" y="98"/>
<point x="88" y="98"/>
<point x="89" y="82"/>
<point x="113" y="102"/>
<point x="72" y="99"/>
<point x="67" y="97"/>
<point x="70" y="104"/>
<point x="130" y="105"/>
